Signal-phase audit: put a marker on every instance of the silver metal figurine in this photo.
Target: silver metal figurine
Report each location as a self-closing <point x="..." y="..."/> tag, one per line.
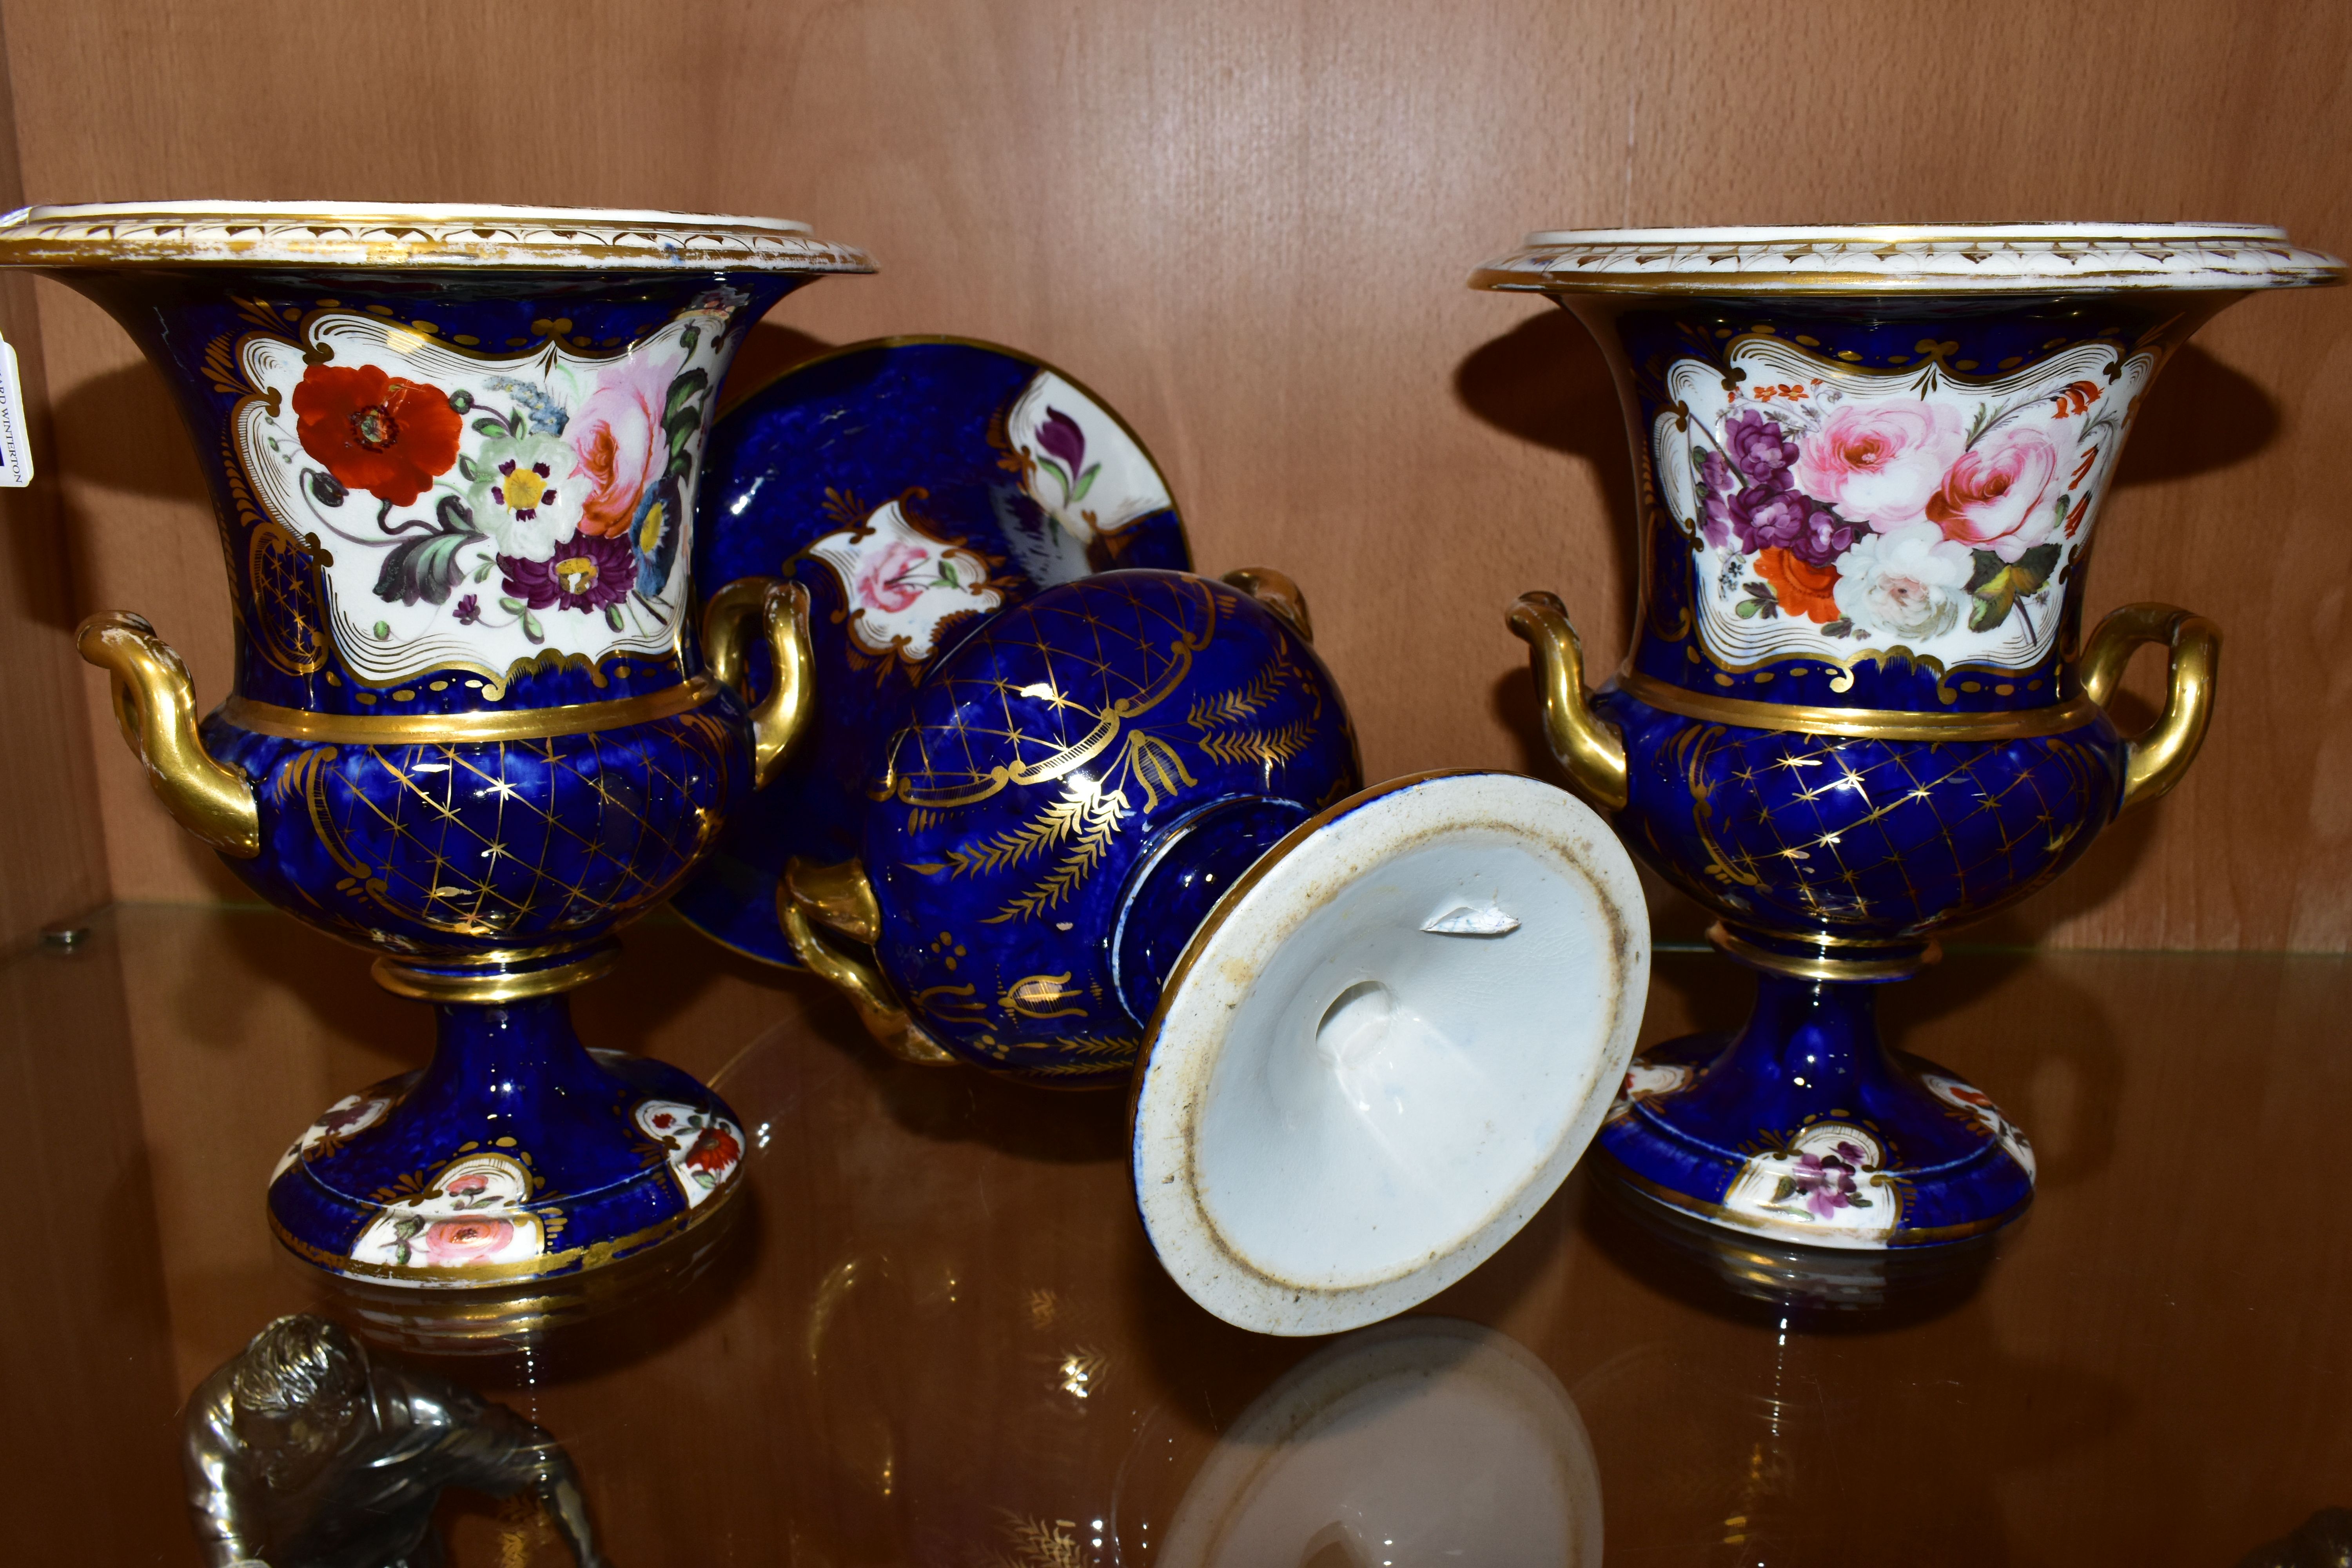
<point x="304" y="1451"/>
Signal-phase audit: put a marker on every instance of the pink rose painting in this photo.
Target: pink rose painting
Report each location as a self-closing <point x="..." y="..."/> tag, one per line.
<point x="461" y="1241"/>
<point x="1880" y="463"/>
<point x="1887" y="515"/>
<point x="618" y="442"/>
<point x="1991" y="498"/>
<point x="884" y="578"/>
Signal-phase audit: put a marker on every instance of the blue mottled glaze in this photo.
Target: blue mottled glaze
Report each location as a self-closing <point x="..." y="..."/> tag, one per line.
<point x="1076" y="783"/>
<point x="903" y="418"/>
<point x="454" y="849"/>
<point x="1811" y="1052"/>
<point x="602" y="1187"/>
<point x="1924" y="835"/>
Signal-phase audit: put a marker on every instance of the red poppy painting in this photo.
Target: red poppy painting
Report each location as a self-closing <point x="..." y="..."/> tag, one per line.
<point x="385" y="434"/>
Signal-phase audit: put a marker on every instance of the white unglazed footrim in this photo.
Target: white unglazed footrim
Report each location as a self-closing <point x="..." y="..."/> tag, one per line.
<point x="1343" y="1110"/>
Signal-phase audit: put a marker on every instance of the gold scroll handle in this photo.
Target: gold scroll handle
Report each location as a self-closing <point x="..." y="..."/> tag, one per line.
<point x="1278" y="592"/>
<point x="2160" y="754"/>
<point x="781" y="609"/>
<point x="1588" y="746"/>
<point x="842" y="900"/>
<point x="156" y="706"/>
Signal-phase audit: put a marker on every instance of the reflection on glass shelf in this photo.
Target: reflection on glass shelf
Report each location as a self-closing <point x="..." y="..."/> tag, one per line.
<point x="1425" y="1440"/>
<point x="1817" y="1287"/>
<point x="938" y="1336"/>
<point x="304" y="1450"/>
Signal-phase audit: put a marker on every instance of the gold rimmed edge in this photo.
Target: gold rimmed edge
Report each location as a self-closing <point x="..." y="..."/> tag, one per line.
<point x="730" y="401"/>
<point x="1897" y="1240"/>
<point x="1234" y="895"/>
<point x="1862" y="723"/>
<point x="464" y="1321"/>
<point x="1506" y="280"/>
<point x="1823" y="967"/>
<point x="578" y="1259"/>
<point x="1935" y="259"/>
<point x="516" y="725"/>
<point x="365" y="237"/>
<point x="499" y="986"/>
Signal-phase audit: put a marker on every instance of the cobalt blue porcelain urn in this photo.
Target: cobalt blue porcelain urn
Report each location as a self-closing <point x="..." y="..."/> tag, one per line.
<point x="454" y="456"/>
<point x="1859" y="709"/>
<point x="914" y="485"/>
<point x="1073" y="786"/>
<point x="1117" y="840"/>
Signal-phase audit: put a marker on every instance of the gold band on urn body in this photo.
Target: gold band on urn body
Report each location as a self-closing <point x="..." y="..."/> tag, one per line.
<point x="1593" y="750"/>
<point x="1589" y="747"/>
<point x="155" y="701"/>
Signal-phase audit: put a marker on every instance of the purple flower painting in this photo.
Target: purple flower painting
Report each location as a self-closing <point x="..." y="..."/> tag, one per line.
<point x="1822" y="1185"/>
<point x="1065" y="448"/>
<point x="587" y="572"/>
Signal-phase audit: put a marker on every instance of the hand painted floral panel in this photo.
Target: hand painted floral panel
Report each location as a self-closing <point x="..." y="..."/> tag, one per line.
<point x="481" y="511"/>
<point x="1835" y="511"/>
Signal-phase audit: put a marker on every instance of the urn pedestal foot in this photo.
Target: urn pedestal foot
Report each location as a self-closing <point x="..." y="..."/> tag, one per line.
<point x="518" y="1164"/>
<point x="1805" y="1127"/>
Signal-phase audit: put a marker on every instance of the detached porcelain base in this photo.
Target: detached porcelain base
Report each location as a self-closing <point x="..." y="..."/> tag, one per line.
<point x="1385" y="1047"/>
<point x="1804" y="1129"/>
<point x="516" y="1160"/>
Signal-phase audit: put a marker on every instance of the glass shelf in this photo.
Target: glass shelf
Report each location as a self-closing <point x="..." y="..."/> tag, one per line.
<point x="938" y="1336"/>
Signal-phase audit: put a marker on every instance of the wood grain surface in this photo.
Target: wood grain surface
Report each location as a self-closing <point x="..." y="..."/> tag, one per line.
<point x="52" y="844"/>
<point x="1247" y="223"/>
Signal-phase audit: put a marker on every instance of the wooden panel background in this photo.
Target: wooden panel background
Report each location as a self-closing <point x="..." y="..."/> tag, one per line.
<point x="1247" y="223"/>
<point x="52" y="845"/>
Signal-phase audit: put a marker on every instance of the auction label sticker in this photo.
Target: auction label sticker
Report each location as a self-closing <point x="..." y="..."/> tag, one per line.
<point x="15" y="443"/>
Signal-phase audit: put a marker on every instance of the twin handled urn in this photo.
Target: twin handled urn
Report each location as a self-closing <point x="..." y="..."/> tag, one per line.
<point x="1117" y="836"/>
<point x="475" y="726"/>
<point x="1858" y="708"/>
<point x="1115" y="833"/>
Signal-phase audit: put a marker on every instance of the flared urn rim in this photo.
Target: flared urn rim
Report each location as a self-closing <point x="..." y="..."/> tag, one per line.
<point x="380" y="236"/>
<point x="1909" y="259"/>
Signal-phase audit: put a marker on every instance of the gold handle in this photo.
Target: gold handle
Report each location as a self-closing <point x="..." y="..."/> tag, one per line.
<point x="1588" y="746"/>
<point x="782" y="611"/>
<point x="1278" y="592"/>
<point x="156" y="706"/>
<point x="2160" y="754"/>
<point x="842" y="897"/>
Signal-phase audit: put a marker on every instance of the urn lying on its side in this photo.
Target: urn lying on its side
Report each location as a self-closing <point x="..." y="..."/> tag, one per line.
<point x="1120" y="840"/>
<point x="914" y="487"/>
<point x="1858" y="709"/>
